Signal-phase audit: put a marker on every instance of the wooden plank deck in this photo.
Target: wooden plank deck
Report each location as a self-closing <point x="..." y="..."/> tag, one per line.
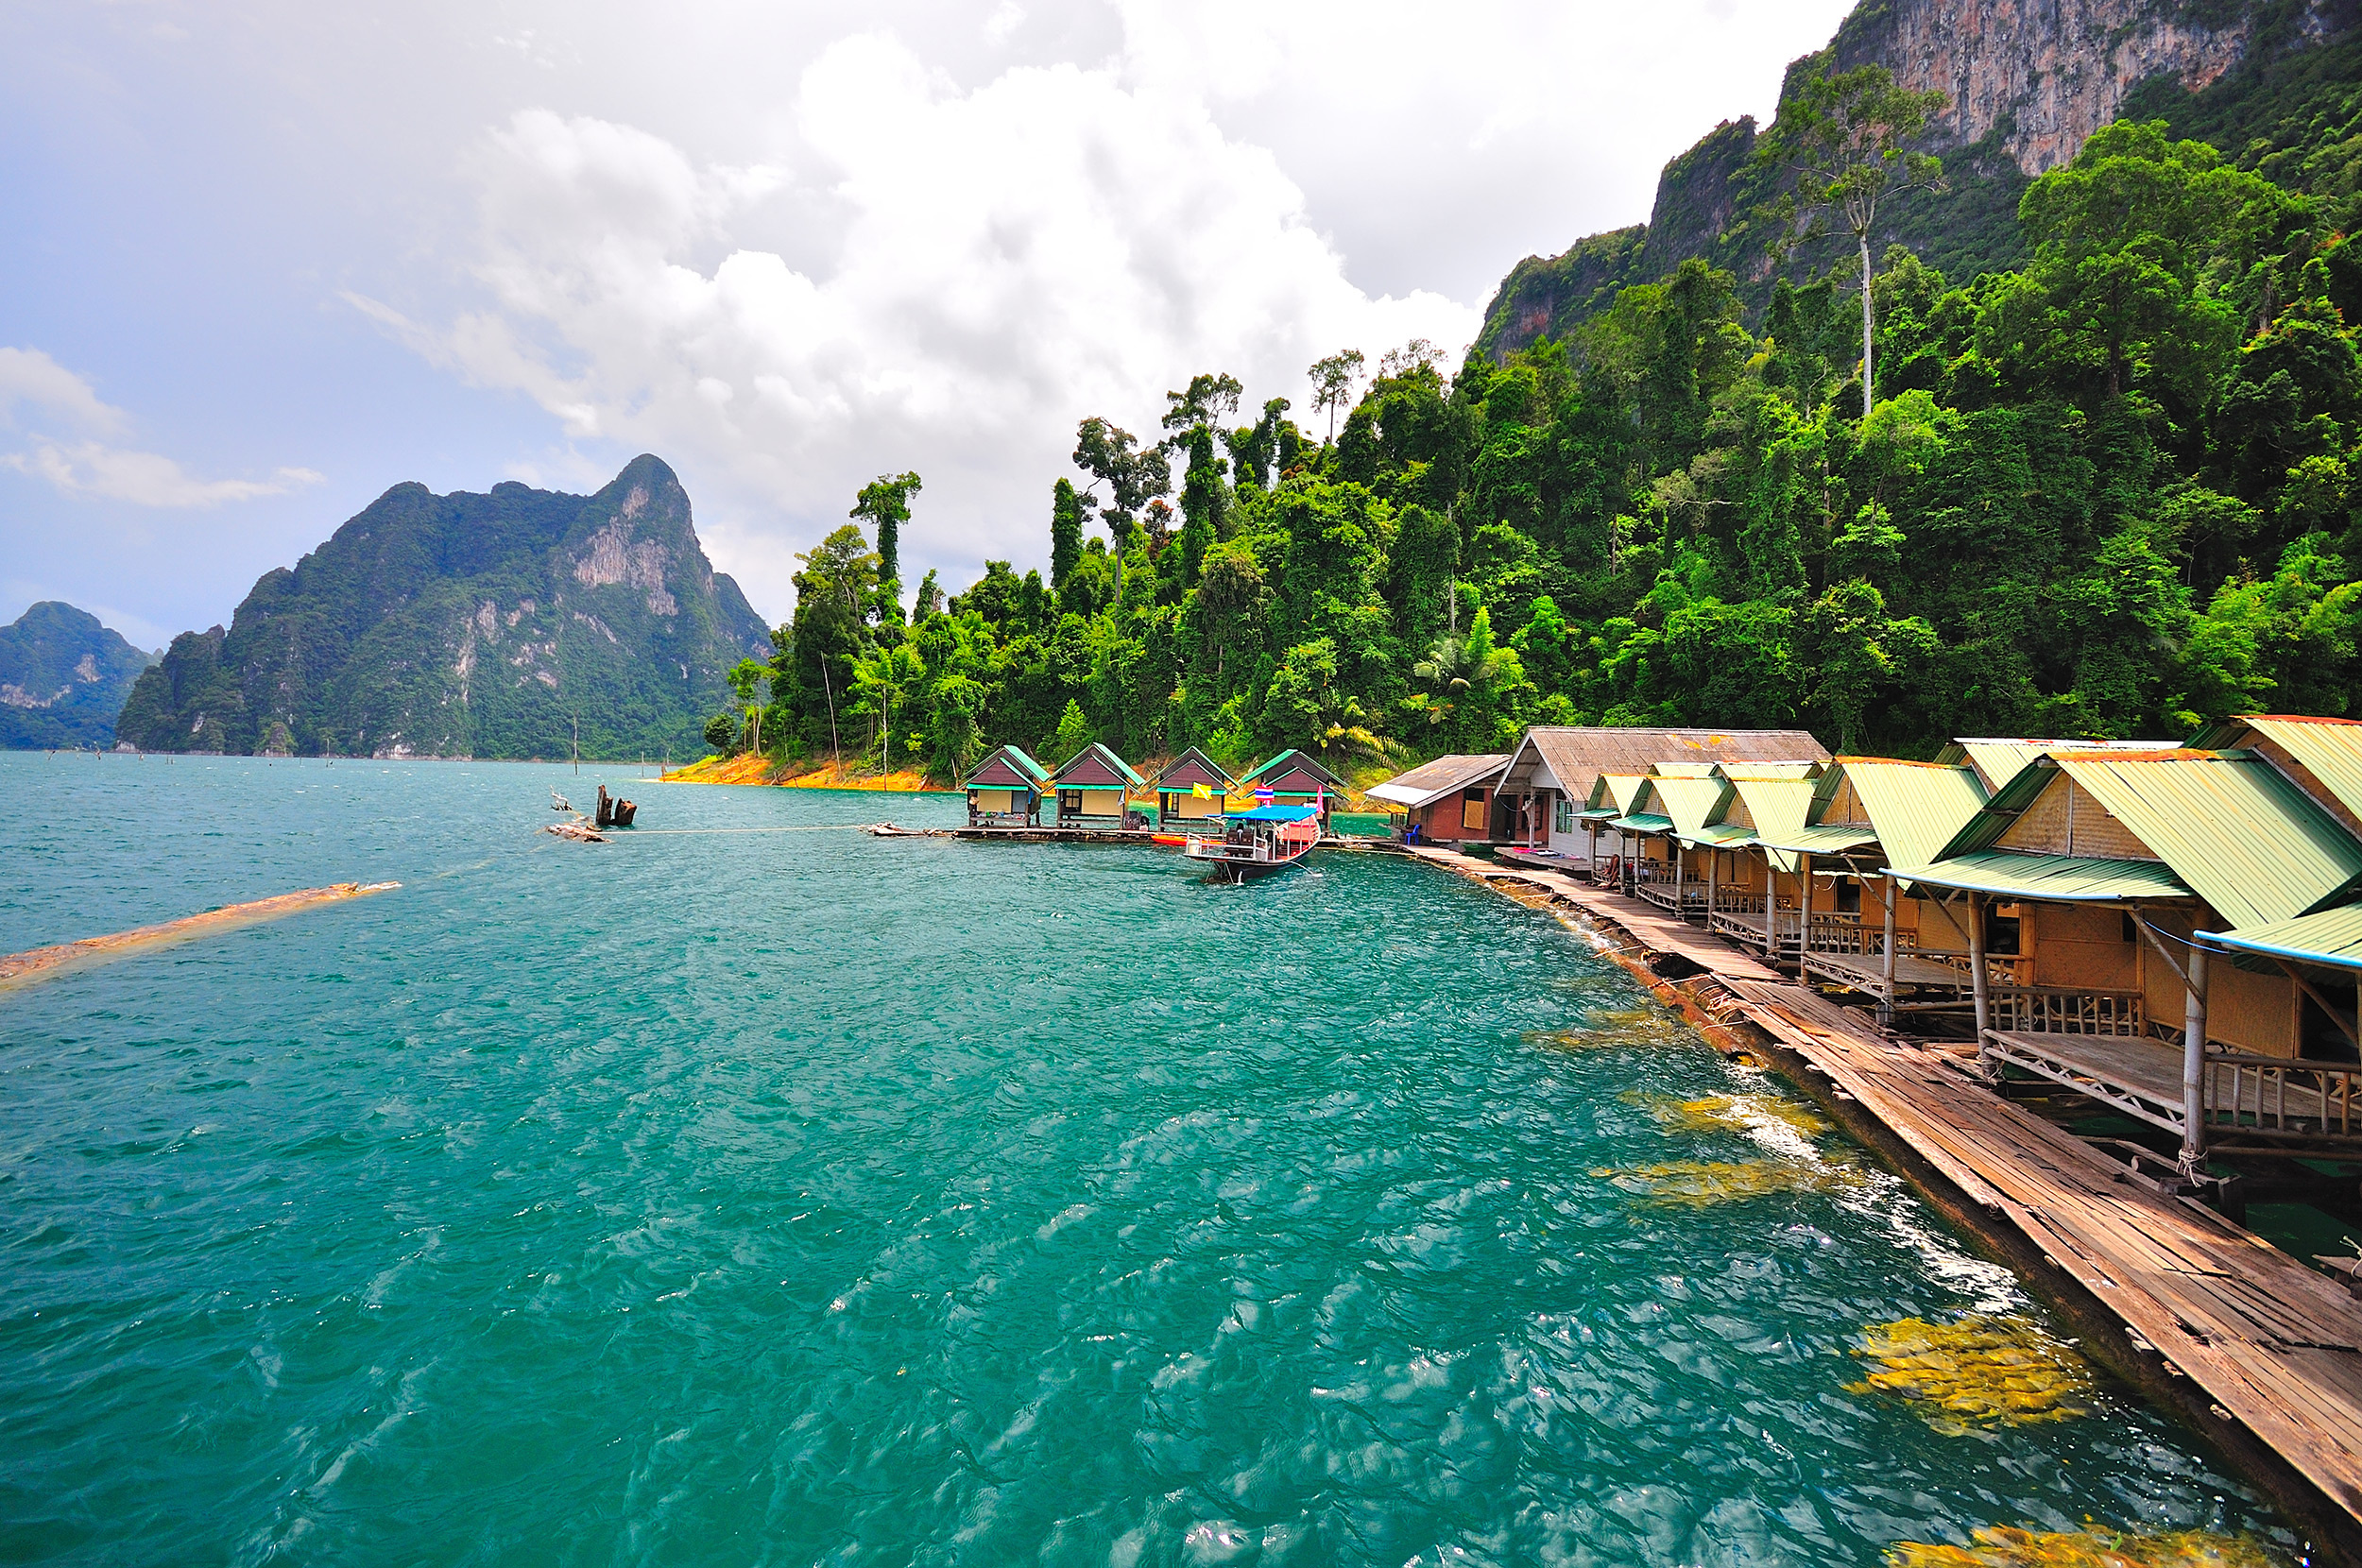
<point x="1648" y="925"/>
<point x="2274" y="1346"/>
<point x="1861" y="972"/>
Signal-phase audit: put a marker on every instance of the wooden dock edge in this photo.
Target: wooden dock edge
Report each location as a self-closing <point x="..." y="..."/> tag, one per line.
<point x="2004" y="1232"/>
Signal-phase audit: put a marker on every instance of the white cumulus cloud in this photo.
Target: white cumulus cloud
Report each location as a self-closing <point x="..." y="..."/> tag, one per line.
<point x="142" y="478"/>
<point x="994" y="264"/>
<point x="81" y="466"/>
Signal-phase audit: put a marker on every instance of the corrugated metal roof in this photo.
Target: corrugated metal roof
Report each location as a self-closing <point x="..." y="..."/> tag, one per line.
<point x="1431" y="781"/>
<point x="2330" y="749"/>
<point x="1826" y="840"/>
<point x="1016" y="759"/>
<point x="2333" y="936"/>
<point x="1691" y="802"/>
<point x="1571" y="757"/>
<point x="1644" y="822"/>
<point x="2056" y="878"/>
<point x="1191" y="757"/>
<point x="1914" y="808"/>
<point x="1618" y="788"/>
<point x="1107" y="756"/>
<point x="2000" y="758"/>
<point x="2245" y="839"/>
<point x="2231" y="828"/>
<point x="1777" y="802"/>
<point x="1294" y="759"/>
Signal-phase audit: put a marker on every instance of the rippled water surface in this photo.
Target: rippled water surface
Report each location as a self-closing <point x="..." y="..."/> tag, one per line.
<point x="803" y="1197"/>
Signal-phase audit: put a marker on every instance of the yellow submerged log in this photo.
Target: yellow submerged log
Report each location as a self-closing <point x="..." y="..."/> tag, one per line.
<point x="42" y="962"/>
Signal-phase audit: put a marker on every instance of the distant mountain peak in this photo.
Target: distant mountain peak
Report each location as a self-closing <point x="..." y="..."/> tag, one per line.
<point x="470" y="624"/>
<point x="63" y="674"/>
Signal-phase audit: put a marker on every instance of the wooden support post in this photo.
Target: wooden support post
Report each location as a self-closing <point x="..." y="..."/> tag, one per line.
<point x="1804" y="907"/>
<point x="1677" y="879"/>
<point x="2194" y="1064"/>
<point x="1771" y="897"/>
<point x="1714" y="869"/>
<point x="1886" y="957"/>
<point x="1977" y="985"/>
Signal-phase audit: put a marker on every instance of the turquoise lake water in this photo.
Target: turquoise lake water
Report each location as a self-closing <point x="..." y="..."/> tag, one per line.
<point x="808" y="1198"/>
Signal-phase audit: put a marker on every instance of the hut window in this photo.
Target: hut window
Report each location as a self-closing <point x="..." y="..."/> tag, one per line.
<point x="2001" y="934"/>
<point x="1472" y="811"/>
<point x="1069" y="803"/>
<point x="1563" y="816"/>
<point x="1848" y="896"/>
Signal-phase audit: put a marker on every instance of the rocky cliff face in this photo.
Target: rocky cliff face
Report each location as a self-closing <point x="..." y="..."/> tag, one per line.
<point x="465" y="624"/>
<point x="2040" y="76"/>
<point x="2028" y="81"/>
<point x="62" y="676"/>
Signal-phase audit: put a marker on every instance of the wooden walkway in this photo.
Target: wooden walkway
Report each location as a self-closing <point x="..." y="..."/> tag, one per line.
<point x="2275" y="1346"/>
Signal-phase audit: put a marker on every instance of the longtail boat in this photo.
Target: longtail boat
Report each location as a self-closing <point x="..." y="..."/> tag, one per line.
<point x="1257" y="843"/>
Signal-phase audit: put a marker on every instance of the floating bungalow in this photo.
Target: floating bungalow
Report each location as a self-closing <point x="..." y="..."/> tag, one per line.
<point x="1447" y="800"/>
<point x="1866" y="817"/>
<point x="2098" y="893"/>
<point x="1005" y="791"/>
<point x="1293" y="778"/>
<point x="1756" y="888"/>
<point x="1092" y="787"/>
<point x="1191" y="787"/>
<point x="1553" y="777"/>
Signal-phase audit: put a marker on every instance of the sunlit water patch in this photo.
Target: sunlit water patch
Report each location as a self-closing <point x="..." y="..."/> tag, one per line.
<point x="806" y="1197"/>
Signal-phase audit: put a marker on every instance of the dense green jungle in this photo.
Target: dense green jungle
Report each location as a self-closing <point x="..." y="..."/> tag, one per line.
<point x="2110" y="493"/>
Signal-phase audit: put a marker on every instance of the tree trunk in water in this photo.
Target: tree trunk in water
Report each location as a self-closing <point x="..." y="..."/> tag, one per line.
<point x="1867" y="381"/>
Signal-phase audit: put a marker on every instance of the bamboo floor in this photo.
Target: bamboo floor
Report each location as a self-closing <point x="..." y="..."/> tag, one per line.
<point x="2275" y="1346"/>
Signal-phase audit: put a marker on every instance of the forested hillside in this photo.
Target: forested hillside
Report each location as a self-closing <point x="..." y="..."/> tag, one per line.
<point x="2019" y="89"/>
<point x="62" y="676"/>
<point x="2108" y="494"/>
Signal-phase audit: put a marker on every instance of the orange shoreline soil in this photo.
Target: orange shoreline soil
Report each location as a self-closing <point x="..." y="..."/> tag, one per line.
<point x="799" y="776"/>
<point x="42" y="961"/>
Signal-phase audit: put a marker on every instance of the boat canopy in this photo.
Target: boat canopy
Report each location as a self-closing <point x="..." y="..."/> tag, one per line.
<point x="1273" y="813"/>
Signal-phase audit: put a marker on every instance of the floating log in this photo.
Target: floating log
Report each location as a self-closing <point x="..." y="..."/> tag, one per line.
<point x="40" y="960"/>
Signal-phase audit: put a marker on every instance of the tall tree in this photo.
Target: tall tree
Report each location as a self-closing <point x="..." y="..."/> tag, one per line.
<point x="1333" y="380"/>
<point x="1133" y="476"/>
<point x="884" y="503"/>
<point x="1846" y="140"/>
<point x="1066" y="516"/>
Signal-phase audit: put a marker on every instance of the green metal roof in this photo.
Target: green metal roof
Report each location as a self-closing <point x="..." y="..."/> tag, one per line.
<point x="1999" y="760"/>
<point x="1293" y="759"/>
<point x="1914" y="808"/>
<point x="2332" y="936"/>
<point x="2329" y="749"/>
<point x="1720" y="835"/>
<point x="1834" y="839"/>
<point x="2058" y="878"/>
<point x="2245" y="839"/>
<point x="1690" y="800"/>
<point x="2232" y="829"/>
<point x="1645" y="823"/>
<point x="1620" y="789"/>
<point x="1776" y="802"/>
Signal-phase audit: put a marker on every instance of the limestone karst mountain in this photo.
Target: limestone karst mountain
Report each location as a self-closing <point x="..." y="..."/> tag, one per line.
<point x="469" y="626"/>
<point x="63" y="677"/>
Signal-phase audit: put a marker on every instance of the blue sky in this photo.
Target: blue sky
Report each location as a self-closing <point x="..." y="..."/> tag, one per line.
<point x="265" y="261"/>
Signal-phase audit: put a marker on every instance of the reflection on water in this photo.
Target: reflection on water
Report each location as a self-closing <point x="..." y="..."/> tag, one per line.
<point x="806" y="1197"/>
